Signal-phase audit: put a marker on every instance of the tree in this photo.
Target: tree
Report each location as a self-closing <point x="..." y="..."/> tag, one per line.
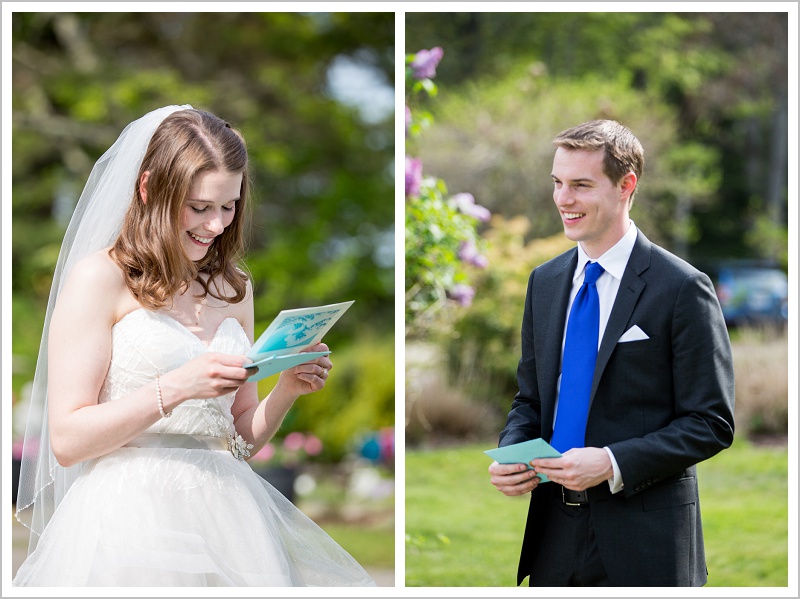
<point x="724" y="75"/>
<point x="322" y="163"/>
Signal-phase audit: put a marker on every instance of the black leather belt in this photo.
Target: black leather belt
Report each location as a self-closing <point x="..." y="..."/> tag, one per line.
<point x="574" y="498"/>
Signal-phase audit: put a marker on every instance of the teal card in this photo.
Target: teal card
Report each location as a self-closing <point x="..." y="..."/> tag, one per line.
<point x="523" y="453"/>
<point x="281" y="345"/>
<point x="293" y="330"/>
<point x="275" y="364"/>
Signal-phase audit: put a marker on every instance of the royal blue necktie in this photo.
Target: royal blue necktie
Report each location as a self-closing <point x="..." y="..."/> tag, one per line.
<point x="577" y="369"/>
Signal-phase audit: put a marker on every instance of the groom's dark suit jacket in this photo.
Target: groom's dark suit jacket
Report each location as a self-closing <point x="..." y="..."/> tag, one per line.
<point x="661" y="405"/>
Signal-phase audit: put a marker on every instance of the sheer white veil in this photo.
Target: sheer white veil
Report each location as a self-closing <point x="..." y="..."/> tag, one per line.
<point x="95" y="225"/>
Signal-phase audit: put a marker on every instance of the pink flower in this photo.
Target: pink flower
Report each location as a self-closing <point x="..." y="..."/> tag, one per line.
<point x="294" y="441"/>
<point x="295" y="447"/>
<point x="425" y="62"/>
<point x="16" y="449"/>
<point x="387" y="443"/>
<point x="413" y="176"/>
<point x="313" y="445"/>
<point x="265" y="453"/>
<point x="25" y="449"/>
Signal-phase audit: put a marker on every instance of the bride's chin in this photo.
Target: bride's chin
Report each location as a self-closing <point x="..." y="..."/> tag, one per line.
<point x="195" y="252"/>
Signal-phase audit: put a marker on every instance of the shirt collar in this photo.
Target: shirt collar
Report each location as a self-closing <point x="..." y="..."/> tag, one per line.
<point x="614" y="260"/>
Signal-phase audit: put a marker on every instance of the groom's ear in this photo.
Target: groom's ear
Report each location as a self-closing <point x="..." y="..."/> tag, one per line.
<point x="627" y="186"/>
<point x="143" y="186"/>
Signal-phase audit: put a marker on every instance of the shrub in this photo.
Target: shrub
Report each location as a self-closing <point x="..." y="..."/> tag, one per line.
<point x="358" y="399"/>
<point x="437" y="411"/>
<point x="442" y="240"/>
<point x="761" y="362"/>
<point x="484" y="347"/>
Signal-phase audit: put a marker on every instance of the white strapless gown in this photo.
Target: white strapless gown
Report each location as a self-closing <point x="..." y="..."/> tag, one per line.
<point x="166" y="516"/>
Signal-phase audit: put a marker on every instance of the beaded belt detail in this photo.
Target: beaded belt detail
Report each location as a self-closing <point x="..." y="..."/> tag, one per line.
<point x="236" y="445"/>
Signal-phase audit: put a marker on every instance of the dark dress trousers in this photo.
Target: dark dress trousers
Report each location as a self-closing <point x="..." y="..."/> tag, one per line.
<point x="661" y="405"/>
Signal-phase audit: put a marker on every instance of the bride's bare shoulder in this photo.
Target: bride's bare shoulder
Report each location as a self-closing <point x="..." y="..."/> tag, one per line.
<point x="97" y="281"/>
<point x="98" y="268"/>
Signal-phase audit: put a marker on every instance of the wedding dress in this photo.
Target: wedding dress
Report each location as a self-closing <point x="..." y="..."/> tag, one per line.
<point x="175" y="507"/>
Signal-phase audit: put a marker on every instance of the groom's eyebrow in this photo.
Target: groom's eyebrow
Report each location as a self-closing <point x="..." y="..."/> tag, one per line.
<point x="578" y="180"/>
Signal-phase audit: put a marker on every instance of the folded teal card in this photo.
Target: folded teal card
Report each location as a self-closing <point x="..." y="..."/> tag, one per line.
<point x="280" y="345"/>
<point x="523" y="453"/>
<point x="275" y="364"/>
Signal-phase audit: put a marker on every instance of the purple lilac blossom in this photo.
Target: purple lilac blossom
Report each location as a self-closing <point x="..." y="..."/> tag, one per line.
<point x="425" y="61"/>
<point x="468" y="252"/>
<point x="408" y="119"/>
<point x="466" y="203"/>
<point x="413" y="176"/>
<point x="463" y="294"/>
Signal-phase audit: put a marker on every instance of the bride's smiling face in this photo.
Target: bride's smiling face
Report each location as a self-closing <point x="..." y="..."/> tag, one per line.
<point x="209" y="207"/>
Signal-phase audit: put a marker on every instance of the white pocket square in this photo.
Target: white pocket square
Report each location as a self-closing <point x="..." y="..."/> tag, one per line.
<point x="633" y="334"/>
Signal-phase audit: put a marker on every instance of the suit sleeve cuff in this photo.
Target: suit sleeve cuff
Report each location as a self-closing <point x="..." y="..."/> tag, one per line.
<point x="615" y="483"/>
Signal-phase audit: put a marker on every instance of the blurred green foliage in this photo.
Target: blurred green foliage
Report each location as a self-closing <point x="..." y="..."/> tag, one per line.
<point x="494" y="139"/>
<point x="484" y="347"/>
<point x="442" y="231"/>
<point x="358" y="399"/>
<point x="435" y="232"/>
<point x="322" y="163"/>
<point x="707" y="93"/>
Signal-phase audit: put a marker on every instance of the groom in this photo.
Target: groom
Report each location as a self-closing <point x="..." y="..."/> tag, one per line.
<point x="633" y="400"/>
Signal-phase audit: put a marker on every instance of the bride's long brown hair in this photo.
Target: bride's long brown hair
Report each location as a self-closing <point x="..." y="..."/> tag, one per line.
<point x="148" y="249"/>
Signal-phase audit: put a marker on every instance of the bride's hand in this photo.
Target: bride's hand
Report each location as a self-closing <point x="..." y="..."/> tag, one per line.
<point x="209" y="375"/>
<point x="309" y="377"/>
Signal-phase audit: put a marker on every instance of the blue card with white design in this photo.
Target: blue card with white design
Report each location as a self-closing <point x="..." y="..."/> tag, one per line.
<point x="280" y="345"/>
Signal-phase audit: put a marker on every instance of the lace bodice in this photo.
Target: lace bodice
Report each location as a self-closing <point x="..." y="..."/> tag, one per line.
<point x="146" y="344"/>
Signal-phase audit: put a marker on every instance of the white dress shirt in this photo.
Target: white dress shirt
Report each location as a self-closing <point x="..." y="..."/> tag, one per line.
<point x="613" y="262"/>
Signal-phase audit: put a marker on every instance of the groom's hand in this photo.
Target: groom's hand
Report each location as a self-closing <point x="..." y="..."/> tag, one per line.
<point x="513" y="479"/>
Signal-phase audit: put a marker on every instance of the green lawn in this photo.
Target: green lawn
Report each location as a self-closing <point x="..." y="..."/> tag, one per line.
<point x="461" y="532"/>
<point x="363" y="526"/>
<point x="371" y="546"/>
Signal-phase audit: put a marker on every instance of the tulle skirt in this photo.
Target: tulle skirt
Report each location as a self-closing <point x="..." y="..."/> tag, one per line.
<point x="182" y="517"/>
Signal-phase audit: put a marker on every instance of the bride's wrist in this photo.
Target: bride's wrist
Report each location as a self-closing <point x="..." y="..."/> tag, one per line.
<point x="167" y="396"/>
<point x="280" y="394"/>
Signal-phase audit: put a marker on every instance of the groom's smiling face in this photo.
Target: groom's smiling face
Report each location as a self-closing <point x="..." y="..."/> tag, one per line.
<point x="593" y="210"/>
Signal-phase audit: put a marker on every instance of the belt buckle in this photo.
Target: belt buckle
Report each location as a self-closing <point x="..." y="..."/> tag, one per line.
<point x="564" y="499"/>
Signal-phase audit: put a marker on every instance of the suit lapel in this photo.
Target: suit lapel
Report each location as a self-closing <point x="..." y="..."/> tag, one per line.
<point x="630" y="288"/>
<point x="557" y="289"/>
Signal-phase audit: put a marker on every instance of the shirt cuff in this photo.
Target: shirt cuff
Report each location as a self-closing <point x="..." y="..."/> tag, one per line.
<point x="615" y="483"/>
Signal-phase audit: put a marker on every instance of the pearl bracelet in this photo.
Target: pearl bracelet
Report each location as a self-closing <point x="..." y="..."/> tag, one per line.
<point x="161" y="400"/>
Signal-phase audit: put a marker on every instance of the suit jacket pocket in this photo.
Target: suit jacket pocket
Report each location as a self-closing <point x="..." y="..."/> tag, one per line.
<point x="681" y="491"/>
<point x="643" y="345"/>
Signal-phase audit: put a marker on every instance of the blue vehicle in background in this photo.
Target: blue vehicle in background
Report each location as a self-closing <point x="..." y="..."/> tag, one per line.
<point x="751" y="293"/>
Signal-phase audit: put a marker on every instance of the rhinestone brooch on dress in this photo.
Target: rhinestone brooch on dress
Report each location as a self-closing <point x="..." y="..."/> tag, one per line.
<point x="239" y="447"/>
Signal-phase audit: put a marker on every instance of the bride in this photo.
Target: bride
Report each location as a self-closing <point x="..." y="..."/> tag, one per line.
<point x="139" y="477"/>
